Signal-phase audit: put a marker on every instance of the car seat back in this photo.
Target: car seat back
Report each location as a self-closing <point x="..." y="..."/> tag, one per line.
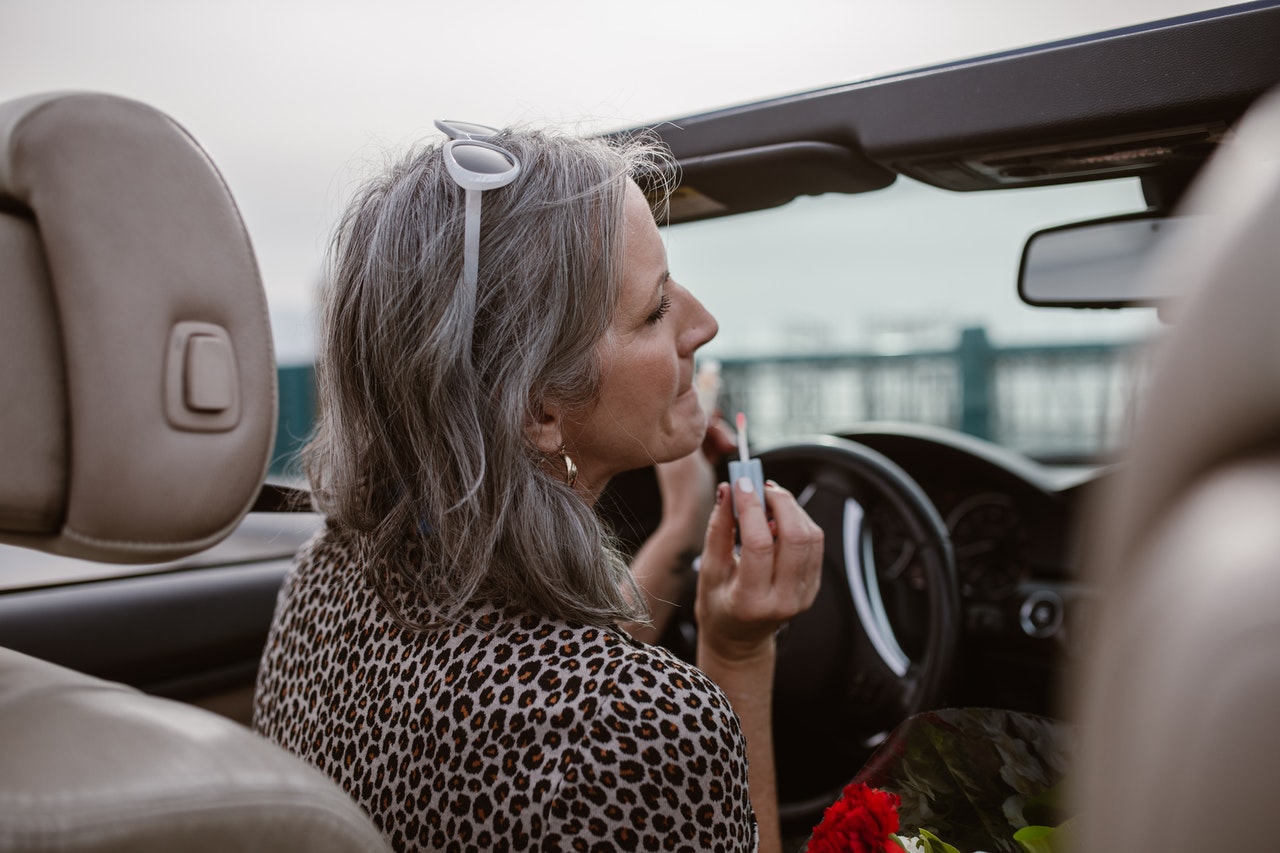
<point x="1180" y="692"/>
<point x="138" y="388"/>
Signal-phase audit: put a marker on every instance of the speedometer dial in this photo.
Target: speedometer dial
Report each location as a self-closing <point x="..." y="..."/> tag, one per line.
<point x="988" y="539"/>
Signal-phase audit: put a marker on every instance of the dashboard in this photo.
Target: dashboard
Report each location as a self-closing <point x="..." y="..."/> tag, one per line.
<point x="1012" y="525"/>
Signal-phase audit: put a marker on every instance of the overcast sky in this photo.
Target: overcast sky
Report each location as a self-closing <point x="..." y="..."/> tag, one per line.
<point x="293" y="100"/>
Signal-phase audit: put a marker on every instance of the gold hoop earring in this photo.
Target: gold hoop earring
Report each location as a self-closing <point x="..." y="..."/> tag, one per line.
<point x="570" y="469"/>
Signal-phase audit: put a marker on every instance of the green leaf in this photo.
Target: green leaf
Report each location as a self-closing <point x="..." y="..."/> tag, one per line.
<point x="1036" y="839"/>
<point x="934" y="844"/>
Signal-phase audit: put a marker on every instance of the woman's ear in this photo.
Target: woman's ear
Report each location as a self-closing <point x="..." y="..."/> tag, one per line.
<point x="544" y="427"/>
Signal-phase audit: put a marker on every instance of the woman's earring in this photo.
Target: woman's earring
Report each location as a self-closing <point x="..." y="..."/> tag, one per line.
<point x="570" y="470"/>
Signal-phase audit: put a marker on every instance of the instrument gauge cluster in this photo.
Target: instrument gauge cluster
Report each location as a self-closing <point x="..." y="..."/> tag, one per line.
<point x="989" y="539"/>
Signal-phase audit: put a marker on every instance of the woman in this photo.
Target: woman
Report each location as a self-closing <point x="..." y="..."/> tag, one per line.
<point x="447" y="649"/>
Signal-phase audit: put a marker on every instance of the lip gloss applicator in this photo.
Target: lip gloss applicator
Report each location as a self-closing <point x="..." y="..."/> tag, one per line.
<point x="745" y="466"/>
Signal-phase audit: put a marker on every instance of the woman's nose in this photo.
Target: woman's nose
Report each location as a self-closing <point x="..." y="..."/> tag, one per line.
<point x="702" y="326"/>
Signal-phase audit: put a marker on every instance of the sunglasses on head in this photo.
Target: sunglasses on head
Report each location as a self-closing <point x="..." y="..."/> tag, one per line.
<point x="475" y="165"/>
<point x="464" y="129"/>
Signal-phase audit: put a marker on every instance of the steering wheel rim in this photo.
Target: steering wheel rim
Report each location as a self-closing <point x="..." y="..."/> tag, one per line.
<point x="833" y="706"/>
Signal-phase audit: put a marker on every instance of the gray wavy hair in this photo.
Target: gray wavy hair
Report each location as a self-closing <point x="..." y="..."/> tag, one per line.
<point x="421" y="449"/>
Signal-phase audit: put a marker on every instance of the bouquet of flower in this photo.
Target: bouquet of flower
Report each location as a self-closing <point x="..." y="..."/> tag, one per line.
<point x="983" y="780"/>
<point x="863" y="820"/>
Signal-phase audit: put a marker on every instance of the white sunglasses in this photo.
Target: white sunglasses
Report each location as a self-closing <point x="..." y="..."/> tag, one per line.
<point x="464" y="129"/>
<point x="476" y="166"/>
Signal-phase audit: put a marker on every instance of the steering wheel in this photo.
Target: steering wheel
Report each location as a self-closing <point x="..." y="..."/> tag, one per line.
<point x="878" y="643"/>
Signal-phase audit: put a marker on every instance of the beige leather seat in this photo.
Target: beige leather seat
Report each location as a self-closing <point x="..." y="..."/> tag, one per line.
<point x="137" y="383"/>
<point x="1180" y="698"/>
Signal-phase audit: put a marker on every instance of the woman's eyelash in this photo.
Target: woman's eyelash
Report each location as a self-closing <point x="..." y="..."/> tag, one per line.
<point x="664" y="305"/>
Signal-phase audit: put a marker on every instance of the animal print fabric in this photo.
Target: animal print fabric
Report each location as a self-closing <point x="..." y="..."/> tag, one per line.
<point x="504" y="732"/>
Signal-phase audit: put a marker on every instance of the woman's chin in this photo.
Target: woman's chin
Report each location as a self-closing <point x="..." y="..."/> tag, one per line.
<point x="687" y="439"/>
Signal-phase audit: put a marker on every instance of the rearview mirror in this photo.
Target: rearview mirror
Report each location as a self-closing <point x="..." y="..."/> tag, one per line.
<point x="1098" y="264"/>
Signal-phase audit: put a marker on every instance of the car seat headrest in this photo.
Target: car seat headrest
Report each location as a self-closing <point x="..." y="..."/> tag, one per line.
<point x="136" y="367"/>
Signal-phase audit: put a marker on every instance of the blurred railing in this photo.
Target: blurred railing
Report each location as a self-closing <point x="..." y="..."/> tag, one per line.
<point x="1068" y="401"/>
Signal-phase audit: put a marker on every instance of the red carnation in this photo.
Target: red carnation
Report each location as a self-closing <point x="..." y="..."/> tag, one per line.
<point x="861" y="821"/>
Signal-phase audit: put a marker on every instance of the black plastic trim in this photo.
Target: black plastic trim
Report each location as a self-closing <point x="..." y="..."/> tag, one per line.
<point x="1179" y="72"/>
<point x="184" y="631"/>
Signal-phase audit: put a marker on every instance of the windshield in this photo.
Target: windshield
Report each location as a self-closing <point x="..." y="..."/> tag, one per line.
<point x="901" y="304"/>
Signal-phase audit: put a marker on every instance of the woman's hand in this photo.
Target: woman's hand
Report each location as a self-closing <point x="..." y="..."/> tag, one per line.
<point x="744" y="598"/>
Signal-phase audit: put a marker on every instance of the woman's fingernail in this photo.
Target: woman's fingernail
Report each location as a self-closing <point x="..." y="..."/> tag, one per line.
<point x="745" y="485"/>
<point x="719" y="495"/>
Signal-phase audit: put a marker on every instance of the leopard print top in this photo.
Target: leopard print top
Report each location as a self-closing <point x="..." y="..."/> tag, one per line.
<point x="505" y="732"/>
